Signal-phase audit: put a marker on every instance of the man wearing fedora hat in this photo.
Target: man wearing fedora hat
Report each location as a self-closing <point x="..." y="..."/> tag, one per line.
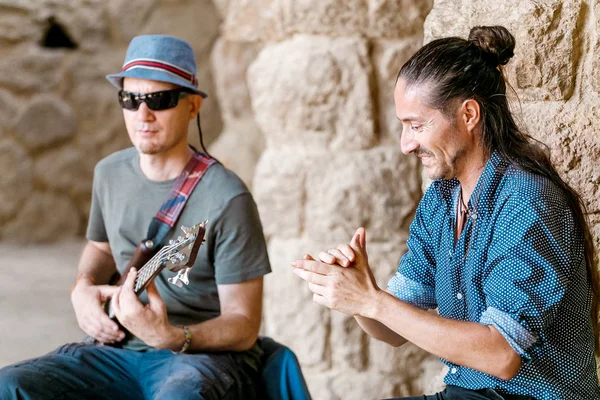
<point x="193" y="342"/>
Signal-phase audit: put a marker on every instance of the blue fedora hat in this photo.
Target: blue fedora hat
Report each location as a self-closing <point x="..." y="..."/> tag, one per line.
<point x="159" y="58"/>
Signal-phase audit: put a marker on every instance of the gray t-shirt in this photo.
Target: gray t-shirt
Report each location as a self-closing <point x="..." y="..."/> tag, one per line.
<point x="124" y="201"/>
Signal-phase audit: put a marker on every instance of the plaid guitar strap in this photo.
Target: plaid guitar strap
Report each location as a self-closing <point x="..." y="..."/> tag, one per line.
<point x="182" y="188"/>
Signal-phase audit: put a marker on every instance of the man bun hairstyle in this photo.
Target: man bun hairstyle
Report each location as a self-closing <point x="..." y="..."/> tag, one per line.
<point x="497" y="44"/>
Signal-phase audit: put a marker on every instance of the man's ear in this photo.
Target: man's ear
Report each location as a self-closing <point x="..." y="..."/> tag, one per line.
<point x="195" y="104"/>
<point x="470" y="113"/>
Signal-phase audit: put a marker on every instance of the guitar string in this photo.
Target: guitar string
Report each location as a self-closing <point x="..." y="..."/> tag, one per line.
<point x="148" y="269"/>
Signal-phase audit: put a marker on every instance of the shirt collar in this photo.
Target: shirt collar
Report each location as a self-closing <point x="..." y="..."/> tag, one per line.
<point x="485" y="188"/>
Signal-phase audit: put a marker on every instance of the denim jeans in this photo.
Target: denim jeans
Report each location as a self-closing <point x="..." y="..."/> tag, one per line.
<point x="458" y="393"/>
<point x="85" y="371"/>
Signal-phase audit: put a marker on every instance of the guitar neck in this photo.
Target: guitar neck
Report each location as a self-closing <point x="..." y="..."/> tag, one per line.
<point x="144" y="276"/>
<point x="148" y="272"/>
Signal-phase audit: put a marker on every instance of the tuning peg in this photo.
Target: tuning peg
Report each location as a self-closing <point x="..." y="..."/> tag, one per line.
<point x="180" y="278"/>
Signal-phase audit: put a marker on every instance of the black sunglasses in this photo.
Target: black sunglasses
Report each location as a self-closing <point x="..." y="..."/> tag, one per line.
<point x="155" y="101"/>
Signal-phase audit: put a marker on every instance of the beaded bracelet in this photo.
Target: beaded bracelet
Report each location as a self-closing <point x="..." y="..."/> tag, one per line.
<point x="188" y="339"/>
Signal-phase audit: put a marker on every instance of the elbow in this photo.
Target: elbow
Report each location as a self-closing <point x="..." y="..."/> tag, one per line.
<point x="247" y="342"/>
<point x="249" y="337"/>
<point x="509" y="367"/>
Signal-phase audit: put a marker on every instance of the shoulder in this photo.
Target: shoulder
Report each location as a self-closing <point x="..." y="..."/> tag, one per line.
<point x="219" y="186"/>
<point x="224" y="181"/>
<point x="529" y="189"/>
<point x="115" y="161"/>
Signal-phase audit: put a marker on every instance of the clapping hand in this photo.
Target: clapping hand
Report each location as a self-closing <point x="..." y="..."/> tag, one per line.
<point x="341" y="279"/>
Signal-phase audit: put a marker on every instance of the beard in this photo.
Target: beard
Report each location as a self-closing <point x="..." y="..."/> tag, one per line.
<point x="439" y="168"/>
<point x="161" y="142"/>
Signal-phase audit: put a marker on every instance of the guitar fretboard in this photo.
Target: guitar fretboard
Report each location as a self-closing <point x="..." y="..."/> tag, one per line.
<point x="146" y="273"/>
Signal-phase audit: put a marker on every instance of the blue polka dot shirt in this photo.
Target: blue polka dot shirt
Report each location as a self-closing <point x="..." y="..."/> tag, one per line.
<point x="519" y="266"/>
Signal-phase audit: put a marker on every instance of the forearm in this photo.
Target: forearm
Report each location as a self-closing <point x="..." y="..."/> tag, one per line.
<point x="464" y="343"/>
<point x="231" y="332"/>
<point x="379" y="331"/>
<point x="96" y="263"/>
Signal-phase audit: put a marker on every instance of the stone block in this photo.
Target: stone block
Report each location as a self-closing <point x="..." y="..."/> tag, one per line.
<point x="596" y="49"/>
<point x="447" y="18"/>
<point x="222" y="6"/>
<point x="316" y="95"/>
<point x="253" y="20"/>
<point x="548" y="47"/>
<point x="128" y="16"/>
<point x="290" y="315"/>
<point x="319" y="384"/>
<point x="239" y="147"/>
<point x="404" y="361"/>
<point x="430" y="379"/>
<point x="83" y="22"/>
<point x="16" y="180"/>
<point x="337" y="18"/>
<point x="195" y="21"/>
<point x="576" y="150"/>
<point x="16" y="23"/>
<point x="58" y="214"/>
<point x="274" y="20"/>
<point x="385" y="257"/>
<point x="388" y="58"/>
<point x="569" y="132"/>
<point x="279" y="192"/>
<point x="229" y="64"/>
<point x="378" y="189"/>
<point x="348" y="343"/>
<point x="32" y="69"/>
<point x="47" y="119"/>
<point x="66" y="170"/>
<point x="397" y="19"/>
<point x="9" y="105"/>
<point x="92" y="68"/>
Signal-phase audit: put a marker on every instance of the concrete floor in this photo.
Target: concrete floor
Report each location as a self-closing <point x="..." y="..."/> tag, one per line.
<point x="35" y="309"/>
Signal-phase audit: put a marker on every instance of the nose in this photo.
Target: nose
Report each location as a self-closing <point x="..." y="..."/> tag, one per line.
<point x="408" y="144"/>
<point x="143" y="113"/>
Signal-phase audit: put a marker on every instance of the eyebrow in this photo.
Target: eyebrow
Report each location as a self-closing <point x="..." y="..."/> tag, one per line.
<point x="409" y="118"/>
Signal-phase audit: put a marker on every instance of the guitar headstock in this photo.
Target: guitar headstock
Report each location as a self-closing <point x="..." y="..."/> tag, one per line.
<point x="181" y="253"/>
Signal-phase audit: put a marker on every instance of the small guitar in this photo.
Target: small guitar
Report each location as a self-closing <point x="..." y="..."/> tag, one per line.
<point x="178" y="256"/>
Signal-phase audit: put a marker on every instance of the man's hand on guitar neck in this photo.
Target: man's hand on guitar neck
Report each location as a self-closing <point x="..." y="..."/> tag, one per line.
<point x="148" y="322"/>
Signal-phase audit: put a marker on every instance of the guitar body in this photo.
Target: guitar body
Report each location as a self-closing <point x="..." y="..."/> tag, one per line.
<point x="178" y="257"/>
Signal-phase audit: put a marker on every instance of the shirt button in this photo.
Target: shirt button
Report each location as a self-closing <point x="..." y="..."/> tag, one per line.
<point x="459" y="296"/>
<point x="453" y="370"/>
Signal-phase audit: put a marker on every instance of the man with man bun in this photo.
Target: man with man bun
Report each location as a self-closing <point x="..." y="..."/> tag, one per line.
<point x="499" y="244"/>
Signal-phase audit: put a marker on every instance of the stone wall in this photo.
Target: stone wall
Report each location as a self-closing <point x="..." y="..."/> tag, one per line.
<point x="321" y="91"/>
<point x="58" y="114"/>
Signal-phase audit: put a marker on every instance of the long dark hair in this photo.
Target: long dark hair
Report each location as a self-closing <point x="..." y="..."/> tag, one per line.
<point x="454" y="69"/>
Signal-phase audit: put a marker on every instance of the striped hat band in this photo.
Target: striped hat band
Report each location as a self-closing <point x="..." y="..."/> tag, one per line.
<point x="157" y="65"/>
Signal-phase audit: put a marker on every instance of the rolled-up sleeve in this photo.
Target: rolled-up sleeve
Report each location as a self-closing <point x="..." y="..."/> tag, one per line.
<point x="414" y="282"/>
<point x="529" y="266"/>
